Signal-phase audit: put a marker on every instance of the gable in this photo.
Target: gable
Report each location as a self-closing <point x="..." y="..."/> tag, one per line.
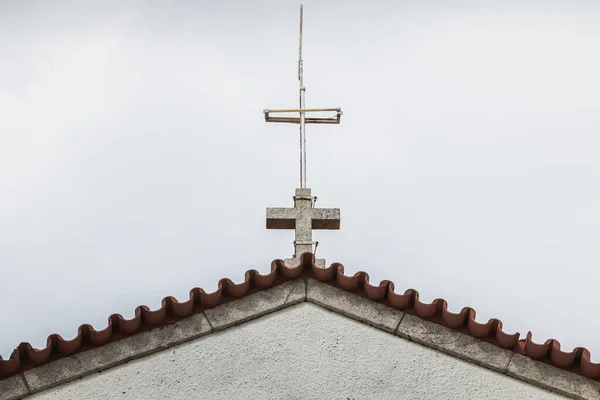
<point x="303" y="351"/>
<point x="175" y="323"/>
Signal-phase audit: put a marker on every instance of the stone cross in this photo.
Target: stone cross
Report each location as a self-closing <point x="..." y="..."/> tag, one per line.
<point x="304" y="217"/>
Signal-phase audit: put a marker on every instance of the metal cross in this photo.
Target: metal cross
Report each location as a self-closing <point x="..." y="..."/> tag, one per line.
<point x="302" y="119"/>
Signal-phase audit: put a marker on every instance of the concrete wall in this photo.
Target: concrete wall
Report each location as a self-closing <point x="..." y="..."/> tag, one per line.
<point x="300" y="352"/>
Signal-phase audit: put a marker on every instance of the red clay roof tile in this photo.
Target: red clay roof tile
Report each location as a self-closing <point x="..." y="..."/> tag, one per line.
<point x="25" y="356"/>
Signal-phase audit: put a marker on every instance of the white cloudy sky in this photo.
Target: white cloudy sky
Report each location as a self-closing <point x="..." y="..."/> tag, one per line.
<point x="135" y="162"/>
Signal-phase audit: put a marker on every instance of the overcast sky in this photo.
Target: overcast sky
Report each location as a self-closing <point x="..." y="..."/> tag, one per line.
<point x="135" y="162"/>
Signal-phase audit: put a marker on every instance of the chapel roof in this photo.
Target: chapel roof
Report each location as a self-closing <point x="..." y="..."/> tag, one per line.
<point x="25" y="357"/>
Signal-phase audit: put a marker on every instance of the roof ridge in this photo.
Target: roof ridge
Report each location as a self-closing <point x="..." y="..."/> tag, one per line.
<point x="25" y="357"/>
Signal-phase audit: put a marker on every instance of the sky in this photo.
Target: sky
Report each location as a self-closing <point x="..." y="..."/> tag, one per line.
<point x="135" y="162"/>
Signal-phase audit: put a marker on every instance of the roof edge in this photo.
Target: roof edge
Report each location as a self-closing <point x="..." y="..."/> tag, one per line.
<point x="25" y="357"/>
<point x="293" y="292"/>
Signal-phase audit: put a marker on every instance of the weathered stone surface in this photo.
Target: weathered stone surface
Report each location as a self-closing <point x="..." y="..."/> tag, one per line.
<point x="295" y="261"/>
<point x="256" y="305"/>
<point x="454" y="343"/>
<point x="303" y="218"/>
<point x="552" y="378"/>
<point x="112" y="354"/>
<point x="353" y="306"/>
<point x="298" y="293"/>
<point x="303" y="192"/>
<point x="13" y="388"/>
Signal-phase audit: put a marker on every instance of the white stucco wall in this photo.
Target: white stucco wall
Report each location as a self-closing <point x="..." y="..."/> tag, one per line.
<point x="300" y="352"/>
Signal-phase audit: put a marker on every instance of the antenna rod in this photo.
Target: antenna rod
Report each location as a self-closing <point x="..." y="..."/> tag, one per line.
<point x="302" y="113"/>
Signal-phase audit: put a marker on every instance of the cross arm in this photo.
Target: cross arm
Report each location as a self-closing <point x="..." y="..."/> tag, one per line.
<point x="281" y="218"/>
<point x="308" y="120"/>
<point x="325" y="218"/>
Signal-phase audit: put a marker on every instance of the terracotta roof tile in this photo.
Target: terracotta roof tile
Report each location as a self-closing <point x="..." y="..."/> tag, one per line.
<point x="25" y="356"/>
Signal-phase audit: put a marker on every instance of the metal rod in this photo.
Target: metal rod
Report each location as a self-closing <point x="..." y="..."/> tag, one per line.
<point x="300" y="47"/>
<point x="291" y="110"/>
<point x="302" y="113"/>
<point x="296" y="120"/>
